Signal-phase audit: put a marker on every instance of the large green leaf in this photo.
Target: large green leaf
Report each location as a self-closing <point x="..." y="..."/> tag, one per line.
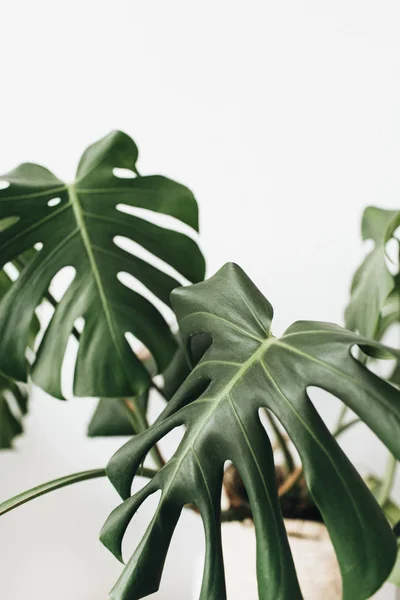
<point x="372" y="282"/>
<point x="77" y="225"/>
<point x="243" y="369"/>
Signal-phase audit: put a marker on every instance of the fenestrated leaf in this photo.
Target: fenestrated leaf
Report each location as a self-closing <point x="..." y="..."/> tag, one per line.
<point x="372" y="282"/>
<point x="243" y="369"/>
<point x="77" y="224"/>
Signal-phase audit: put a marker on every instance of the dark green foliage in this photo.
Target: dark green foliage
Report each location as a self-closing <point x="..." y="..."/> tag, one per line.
<point x="77" y="224"/>
<point x="243" y="368"/>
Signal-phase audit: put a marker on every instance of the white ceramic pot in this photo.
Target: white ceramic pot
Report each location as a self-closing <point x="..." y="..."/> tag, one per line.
<point x="313" y="554"/>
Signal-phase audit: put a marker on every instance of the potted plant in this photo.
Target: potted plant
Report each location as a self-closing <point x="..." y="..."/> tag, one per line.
<point x="224" y="372"/>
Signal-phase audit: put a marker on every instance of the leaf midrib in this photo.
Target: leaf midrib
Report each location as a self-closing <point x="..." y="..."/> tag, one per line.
<point x="256" y="357"/>
<point x="223" y="395"/>
<point x="79" y="216"/>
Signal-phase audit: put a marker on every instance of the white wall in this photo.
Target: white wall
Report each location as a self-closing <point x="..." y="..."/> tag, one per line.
<point x="283" y="117"/>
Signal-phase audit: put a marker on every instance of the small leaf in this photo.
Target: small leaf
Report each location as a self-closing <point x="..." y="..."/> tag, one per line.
<point x="372" y="282"/>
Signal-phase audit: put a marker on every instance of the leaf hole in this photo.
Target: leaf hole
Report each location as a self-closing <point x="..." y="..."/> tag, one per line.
<point x="198" y="346"/>
<point x="141" y="352"/>
<point x="61" y="282"/>
<point x="140" y="520"/>
<point x="325" y="404"/>
<point x="224" y="496"/>
<point x="4" y="184"/>
<point x="278" y="436"/>
<point x="136" y="249"/>
<point x="79" y="324"/>
<point x="136" y="345"/>
<point x="183" y="551"/>
<point x="11" y="270"/>
<point x="54" y="202"/>
<point x="122" y="173"/>
<point x="392" y="252"/>
<point x="38" y="246"/>
<point x="159" y="219"/>
<point x="170" y="443"/>
<point x="68" y="366"/>
<point x="135" y="285"/>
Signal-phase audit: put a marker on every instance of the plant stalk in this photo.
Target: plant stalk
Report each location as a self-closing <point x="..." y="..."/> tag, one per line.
<point x="388" y="481"/>
<point x="56" y="484"/>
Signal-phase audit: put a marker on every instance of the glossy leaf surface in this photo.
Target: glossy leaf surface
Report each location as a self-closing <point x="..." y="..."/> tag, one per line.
<point x="241" y="368"/>
<point x="77" y="225"/>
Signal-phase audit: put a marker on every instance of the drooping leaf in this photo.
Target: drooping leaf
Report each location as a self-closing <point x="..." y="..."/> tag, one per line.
<point x="77" y="225"/>
<point x="372" y="282"/>
<point x="243" y="369"/>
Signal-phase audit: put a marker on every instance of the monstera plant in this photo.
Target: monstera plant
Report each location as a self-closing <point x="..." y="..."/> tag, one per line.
<point x="222" y="368"/>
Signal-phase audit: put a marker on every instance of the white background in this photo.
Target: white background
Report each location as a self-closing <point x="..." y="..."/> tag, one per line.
<point x="283" y="118"/>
